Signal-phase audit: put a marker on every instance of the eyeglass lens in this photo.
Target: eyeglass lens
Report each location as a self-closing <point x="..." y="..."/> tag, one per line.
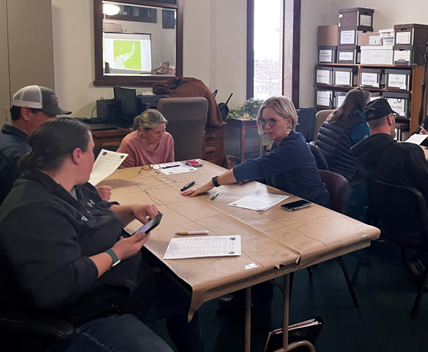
<point x="271" y="122"/>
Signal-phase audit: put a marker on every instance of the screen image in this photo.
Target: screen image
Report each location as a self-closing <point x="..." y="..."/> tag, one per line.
<point x="128" y="53"/>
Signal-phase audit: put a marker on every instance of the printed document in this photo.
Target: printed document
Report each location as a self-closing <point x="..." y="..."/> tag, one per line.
<point x="416" y="138"/>
<point x="258" y="201"/>
<point x="200" y="247"/>
<point x="175" y="168"/>
<point x="106" y="163"/>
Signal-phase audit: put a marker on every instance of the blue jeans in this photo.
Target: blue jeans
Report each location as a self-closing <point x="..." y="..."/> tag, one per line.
<point x="128" y="333"/>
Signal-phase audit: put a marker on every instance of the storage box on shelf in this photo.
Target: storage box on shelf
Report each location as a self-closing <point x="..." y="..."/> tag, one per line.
<point x="376" y="55"/>
<point x="327" y="54"/>
<point x="327" y="35"/>
<point x="359" y="18"/>
<point x="371" y="77"/>
<point x="345" y="76"/>
<point x="411" y="34"/>
<point x="408" y="55"/>
<point x="370" y="38"/>
<point x="348" y="36"/>
<point x="348" y="54"/>
<point x="405" y="101"/>
<point x="324" y="75"/>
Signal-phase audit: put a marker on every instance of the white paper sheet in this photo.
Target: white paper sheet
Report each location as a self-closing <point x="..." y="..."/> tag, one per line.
<point x="258" y="201"/>
<point x="106" y="163"/>
<point x="207" y="246"/>
<point x="416" y="138"/>
<point x="175" y="168"/>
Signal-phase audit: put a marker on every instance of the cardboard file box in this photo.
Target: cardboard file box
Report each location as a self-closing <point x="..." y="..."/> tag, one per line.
<point x="400" y="103"/>
<point x="370" y="38"/>
<point x="339" y="97"/>
<point x="408" y="55"/>
<point x="323" y="75"/>
<point x="411" y="34"/>
<point x="356" y="18"/>
<point x="348" y="37"/>
<point x="324" y="99"/>
<point x="327" y="54"/>
<point x="376" y="55"/>
<point x="401" y="131"/>
<point x="345" y="76"/>
<point x="348" y="54"/>
<point x="327" y="35"/>
<point x="375" y="95"/>
<point x="372" y="78"/>
<point x="398" y="79"/>
<point x="387" y="33"/>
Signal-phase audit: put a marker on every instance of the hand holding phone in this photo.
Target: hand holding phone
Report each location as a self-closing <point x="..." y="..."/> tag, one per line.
<point x="152" y="224"/>
<point x="299" y="204"/>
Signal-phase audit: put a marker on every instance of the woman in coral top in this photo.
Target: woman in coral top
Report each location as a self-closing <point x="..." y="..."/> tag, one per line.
<point x="149" y="143"/>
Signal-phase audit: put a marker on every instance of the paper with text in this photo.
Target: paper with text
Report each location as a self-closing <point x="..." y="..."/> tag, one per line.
<point x="200" y="247"/>
<point x="416" y="138"/>
<point x="175" y="168"/>
<point x="258" y="201"/>
<point x="106" y="163"/>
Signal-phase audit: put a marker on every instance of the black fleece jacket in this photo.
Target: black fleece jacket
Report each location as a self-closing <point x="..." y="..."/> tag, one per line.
<point x="382" y="158"/>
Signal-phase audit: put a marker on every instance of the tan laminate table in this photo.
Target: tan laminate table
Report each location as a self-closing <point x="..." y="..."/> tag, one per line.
<point x="274" y="242"/>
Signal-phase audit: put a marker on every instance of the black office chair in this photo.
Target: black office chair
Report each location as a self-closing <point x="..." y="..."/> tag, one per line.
<point x="403" y="220"/>
<point x="319" y="157"/>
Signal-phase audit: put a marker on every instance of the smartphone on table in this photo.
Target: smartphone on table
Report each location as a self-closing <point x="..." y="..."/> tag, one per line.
<point x="151" y="225"/>
<point x="299" y="204"/>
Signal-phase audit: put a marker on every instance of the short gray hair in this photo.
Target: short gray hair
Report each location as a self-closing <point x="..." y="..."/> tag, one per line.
<point x="283" y="106"/>
<point x="165" y="63"/>
<point x="148" y="120"/>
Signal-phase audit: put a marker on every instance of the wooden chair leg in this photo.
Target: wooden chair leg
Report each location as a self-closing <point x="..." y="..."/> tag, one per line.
<point x="348" y="282"/>
<point x="418" y="299"/>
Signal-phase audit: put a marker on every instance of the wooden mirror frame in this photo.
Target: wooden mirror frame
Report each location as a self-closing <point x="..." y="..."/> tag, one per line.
<point x="143" y="81"/>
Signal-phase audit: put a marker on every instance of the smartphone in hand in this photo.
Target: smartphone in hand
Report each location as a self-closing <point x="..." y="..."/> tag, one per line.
<point x="150" y="225"/>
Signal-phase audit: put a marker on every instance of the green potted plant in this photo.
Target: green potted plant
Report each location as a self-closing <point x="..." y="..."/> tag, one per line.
<point x="248" y="110"/>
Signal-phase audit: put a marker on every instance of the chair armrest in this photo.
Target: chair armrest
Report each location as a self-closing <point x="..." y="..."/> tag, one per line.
<point x="57" y="328"/>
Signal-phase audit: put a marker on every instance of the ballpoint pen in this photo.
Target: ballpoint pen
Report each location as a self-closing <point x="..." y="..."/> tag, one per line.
<point x="167" y="167"/>
<point x="190" y="184"/>
<point x="215" y="196"/>
<point x="203" y="232"/>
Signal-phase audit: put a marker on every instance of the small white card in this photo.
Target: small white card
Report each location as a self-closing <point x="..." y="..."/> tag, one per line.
<point x="342" y="78"/>
<point x="347" y="37"/>
<point x="325" y="56"/>
<point x="258" y="201"/>
<point x="346" y="56"/>
<point x="397" y="81"/>
<point x="365" y="20"/>
<point x="323" y="77"/>
<point x="369" y="79"/>
<point x="323" y="98"/>
<point x="200" y="247"/>
<point x="416" y="138"/>
<point x="402" y="38"/>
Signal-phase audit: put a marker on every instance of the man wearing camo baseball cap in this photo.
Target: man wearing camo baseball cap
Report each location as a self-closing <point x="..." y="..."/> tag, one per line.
<point x="31" y="106"/>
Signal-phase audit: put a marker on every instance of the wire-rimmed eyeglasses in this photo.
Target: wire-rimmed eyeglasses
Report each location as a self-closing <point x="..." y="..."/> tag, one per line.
<point x="262" y="122"/>
<point x="148" y="167"/>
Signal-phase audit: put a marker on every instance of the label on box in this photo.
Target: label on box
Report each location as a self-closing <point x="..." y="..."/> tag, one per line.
<point x="369" y="79"/>
<point x="339" y="100"/>
<point x="398" y="105"/>
<point x="397" y="81"/>
<point x="346" y="56"/>
<point x="323" y="77"/>
<point x="326" y="56"/>
<point x="342" y="78"/>
<point x="347" y="37"/>
<point x="402" y="55"/>
<point x="323" y="98"/>
<point x="403" y="38"/>
<point x="388" y="41"/>
<point x="375" y="40"/>
<point x="365" y="20"/>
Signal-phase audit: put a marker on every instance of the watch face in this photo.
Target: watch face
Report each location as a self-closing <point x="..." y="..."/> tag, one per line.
<point x="114" y="264"/>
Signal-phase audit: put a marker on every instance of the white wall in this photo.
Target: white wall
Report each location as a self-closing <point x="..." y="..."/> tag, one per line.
<point x="214" y="50"/>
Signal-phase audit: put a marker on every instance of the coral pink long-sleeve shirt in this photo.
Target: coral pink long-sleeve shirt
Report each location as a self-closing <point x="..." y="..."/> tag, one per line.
<point x="139" y="154"/>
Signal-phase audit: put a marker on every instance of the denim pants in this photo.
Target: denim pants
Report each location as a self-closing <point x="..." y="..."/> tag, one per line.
<point x="128" y="333"/>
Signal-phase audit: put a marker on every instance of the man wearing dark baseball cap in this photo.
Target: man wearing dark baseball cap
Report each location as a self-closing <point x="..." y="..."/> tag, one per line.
<point x="380" y="157"/>
<point x="31" y="106"/>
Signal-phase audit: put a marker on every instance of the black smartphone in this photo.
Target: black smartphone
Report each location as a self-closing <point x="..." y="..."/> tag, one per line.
<point x="151" y="225"/>
<point x="299" y="204"/>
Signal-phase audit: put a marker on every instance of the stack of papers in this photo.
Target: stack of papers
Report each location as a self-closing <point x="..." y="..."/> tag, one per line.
<point x="258" y="201"/>
<point x="106" y="163"/>
<point x="200" y="247"/>
<point x="416" y="138"/>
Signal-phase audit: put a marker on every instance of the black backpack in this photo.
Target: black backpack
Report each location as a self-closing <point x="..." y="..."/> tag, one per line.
<point x="224" y="109"/>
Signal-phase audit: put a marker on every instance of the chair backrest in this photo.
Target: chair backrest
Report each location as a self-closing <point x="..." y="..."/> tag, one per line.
<point x="97" y="149"/>
<point x="338" y="188"/>
<point x="186" y="123"/>
<point x="401" y="210"/>
<point x="306" y="122"/>
<point x="319" y="157"/>
<point x="319" y="120"/>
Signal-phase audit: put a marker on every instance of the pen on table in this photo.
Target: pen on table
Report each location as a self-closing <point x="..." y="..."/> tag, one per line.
<point x="190" y="184"/>
<point x="203" y="232"/>
<point x="139" y="172"/>
<point x="167" y="167"/>
<point x="215" y="196"/>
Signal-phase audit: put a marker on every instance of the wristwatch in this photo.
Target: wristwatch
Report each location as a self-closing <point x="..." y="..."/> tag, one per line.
<point x="113" y="256"/>
<point x="214" y="181"/>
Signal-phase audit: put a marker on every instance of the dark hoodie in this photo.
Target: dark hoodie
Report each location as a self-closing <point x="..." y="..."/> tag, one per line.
<point x="382" y="158"/>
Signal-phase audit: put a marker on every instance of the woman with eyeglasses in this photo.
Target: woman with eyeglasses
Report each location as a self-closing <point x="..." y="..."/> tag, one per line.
<point x="149" y="143"/>
<point x="289" y="166"/>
